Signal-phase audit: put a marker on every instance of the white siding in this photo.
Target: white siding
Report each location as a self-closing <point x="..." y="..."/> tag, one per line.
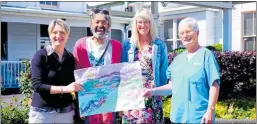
<point x="42" y="20"/>
<point x="118" y="26"/>
<point x="72" y="6"/>
<point x="22" y="41"/>
<point x="236" y="28"/>
<point x="76" y="33"/>
<point x="210" y="27"/>
<point x="118" y="8"/>
<point x="218" y="27"/>
<point x="237" y="23"/>
<point x="249" y="6"/>
<point x="66" y="6"/>
<point x="200" y="17"/>
<point x="19" y="4"/>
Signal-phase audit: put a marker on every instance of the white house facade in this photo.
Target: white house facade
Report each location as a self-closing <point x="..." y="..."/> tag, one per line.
<point x="24" y="30"/>
<point x="210" y="21"/>
<point x="24" y="26"/>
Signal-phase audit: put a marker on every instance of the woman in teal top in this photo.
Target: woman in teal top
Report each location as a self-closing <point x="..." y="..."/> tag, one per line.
<point x="194" y="80"/>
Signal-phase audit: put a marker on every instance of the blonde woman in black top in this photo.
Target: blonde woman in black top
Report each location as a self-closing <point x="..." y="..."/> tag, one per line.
<point x="53" y="79"/>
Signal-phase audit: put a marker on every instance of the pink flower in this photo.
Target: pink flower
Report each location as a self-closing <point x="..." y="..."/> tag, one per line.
<point x="135" y="113"/>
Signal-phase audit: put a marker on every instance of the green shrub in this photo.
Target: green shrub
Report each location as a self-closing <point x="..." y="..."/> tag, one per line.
<point x="179" y="50"/>
<point x="236" y="109"/>
<point x="25" y="80"/>
<point x="14" y="112"/>
<point x="238" y="74"/>
<point x="215" y="47"/>
<point x="17" y="112"/>
<point x="226" y="109"/>
<point x="166" y="106"/>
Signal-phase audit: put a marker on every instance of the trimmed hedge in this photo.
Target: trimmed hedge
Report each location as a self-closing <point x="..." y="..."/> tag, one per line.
<point x="238" y="74"/>
<point x="214" y="47"/>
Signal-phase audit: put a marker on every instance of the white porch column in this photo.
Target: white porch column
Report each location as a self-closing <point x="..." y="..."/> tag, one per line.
<point x="161" y="29"/>
<point x="154" y="10"/>
<point x="227" y="29"/>
<point x="174" y="34"/>
<point x="38" y="37"/>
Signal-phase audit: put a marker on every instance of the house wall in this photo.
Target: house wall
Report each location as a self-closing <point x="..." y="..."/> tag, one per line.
<point x="42" y="20"/>
<point x="73" y="6"/>
<point x="218" y="24"/>
<point x="65" y="6"/>
<point x="75" y="34"/>
<point x="21" y="4"/>
<point x="200" y="16"/>
<point x="237" y="24"/>
<point x="22" y="40"/>
<point x="210" y="28"/>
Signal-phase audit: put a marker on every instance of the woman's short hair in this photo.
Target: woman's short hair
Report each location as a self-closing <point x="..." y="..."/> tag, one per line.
<point x="190" y="22"/>
<point x="59" y="22"/>
<point x="147" y="15"/>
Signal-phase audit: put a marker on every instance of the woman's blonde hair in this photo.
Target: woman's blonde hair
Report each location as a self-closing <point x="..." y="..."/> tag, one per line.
<point x="59" y="22"/>
<point x="147" y="15"/>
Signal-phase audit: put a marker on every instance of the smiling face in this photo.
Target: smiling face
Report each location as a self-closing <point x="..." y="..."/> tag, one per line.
<point x="188" y="36"/>
<point x="59" y="36"/>
<point x="143" y="26"/>
<point x="99" y="26"/>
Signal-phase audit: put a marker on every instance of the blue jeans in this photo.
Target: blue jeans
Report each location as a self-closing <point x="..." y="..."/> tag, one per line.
<point x="55" y="117"/>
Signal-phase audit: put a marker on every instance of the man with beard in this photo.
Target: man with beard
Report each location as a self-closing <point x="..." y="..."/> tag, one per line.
<point x="98" y="50"/>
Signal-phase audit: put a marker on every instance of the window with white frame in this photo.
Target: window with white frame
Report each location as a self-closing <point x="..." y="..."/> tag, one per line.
<point x="51" y="4"/>
<point x="129" y="9"/>
<point x="249" y="31"/>
<point x="171" y="26"/>
<point x="3" y="2"/>
<point x="4" y="40"/>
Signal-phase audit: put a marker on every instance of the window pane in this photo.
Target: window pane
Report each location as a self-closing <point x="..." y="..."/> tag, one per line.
<point x="129" y="34"/>
<point x="178" y="21"/>
<point x="248" y="24"/>
<point x="250" y="43"/>
<point x="54" y="3"/>
<point x="168" y="29"/>
<point x="44" y="41"/>
<point x="169" y="45"/>
<point x="179" y="44"/>
<point x="44" y="30"/>
<point x="116" y="35"/>
<point x="4" y="40"/>
<point x="48" y="3"/>
<point x="89" y="33"/>
<point x="42" y="2"/>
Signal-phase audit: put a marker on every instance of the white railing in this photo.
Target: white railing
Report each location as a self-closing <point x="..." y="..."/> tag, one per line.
<point x="10" y="72"/>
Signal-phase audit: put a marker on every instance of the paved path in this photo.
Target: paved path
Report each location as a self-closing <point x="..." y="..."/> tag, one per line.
<point x="7" y="98"/>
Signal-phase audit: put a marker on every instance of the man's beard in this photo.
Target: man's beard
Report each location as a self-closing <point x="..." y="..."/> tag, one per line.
<point x="99" y="36"/>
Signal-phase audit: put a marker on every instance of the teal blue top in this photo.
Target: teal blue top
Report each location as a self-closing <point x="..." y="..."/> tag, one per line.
<point x="191" y="81"/>
<point x="159" y="58"/>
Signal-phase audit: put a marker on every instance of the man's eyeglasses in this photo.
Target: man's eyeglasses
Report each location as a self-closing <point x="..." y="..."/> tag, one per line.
<point x="96" y="11"/>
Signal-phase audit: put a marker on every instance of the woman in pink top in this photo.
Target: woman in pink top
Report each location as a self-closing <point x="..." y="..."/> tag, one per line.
<point x="98" y="50"/>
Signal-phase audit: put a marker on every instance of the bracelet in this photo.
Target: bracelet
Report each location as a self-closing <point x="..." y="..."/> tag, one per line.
<point x="61" y="89"/>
